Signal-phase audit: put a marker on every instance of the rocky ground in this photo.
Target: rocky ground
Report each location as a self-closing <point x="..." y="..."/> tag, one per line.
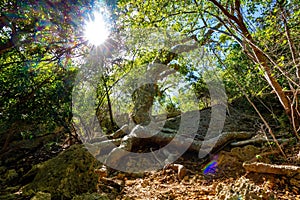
<point x="73" y="174"/>
<point x="39" y="169"/>
<point x="226" y="180"/>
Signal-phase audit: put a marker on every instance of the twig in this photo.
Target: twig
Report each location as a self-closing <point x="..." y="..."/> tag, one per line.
<point x="258" y="140"/>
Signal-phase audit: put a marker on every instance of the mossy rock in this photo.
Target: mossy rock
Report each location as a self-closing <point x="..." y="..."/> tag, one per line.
<point x="69" y="174"/>
<point x="245" y="153"/>
<point x="93" y="196"/>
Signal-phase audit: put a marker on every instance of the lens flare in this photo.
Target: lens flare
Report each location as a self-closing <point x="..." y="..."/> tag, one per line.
<point x="210" y="168"/>
<point x="96" y="30"/>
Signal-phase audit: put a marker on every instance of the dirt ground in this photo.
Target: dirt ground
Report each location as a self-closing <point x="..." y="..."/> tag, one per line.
<point x="221" y="176"/>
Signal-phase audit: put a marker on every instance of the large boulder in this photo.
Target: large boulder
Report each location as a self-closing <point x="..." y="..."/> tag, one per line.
<point x="69" y="174"/>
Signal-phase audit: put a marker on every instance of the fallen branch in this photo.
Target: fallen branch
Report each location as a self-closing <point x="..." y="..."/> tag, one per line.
<point x="259" y="140"/>
<point x="288" y="170"/>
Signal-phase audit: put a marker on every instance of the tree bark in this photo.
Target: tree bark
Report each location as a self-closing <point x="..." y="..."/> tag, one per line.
<point x="109" y="103"/>
<point x="143" y="99"/>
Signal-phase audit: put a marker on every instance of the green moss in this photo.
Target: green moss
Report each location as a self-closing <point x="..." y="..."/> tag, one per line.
<point x="92" y="196"/>
<point x="11" y="174"/>
<point x="65" y="176"/>
<point x="41" y="196"/>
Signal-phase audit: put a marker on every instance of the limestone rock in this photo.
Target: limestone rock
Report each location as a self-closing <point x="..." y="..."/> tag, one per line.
<point x="245" y="153"/>
<point x="242" y="189"/>
<point x="65" y="176"/>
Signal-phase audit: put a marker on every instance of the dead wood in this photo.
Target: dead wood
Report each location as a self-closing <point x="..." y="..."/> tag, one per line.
<point x="288" y="170"/>
<point x="258" y="141"/>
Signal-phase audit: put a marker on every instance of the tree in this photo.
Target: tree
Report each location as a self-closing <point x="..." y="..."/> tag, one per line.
<point x="254" y="26"/>
<point x="37" y="41"/>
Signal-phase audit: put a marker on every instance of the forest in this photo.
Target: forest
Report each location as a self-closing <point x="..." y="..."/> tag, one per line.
<point x="149" y="99"/>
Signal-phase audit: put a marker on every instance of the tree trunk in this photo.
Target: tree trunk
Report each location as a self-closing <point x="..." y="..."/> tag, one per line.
<point x="261" y="59"/>
<point x="143" y="99"/>
<point x="109" y="103"/>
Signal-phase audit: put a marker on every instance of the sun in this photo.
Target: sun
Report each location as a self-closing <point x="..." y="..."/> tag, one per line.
<point x="96" y="30"/>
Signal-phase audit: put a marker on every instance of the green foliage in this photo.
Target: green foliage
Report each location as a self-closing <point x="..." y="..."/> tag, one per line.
<point x="239" y="68"/>
<point x="263" y="19"/>
<point x="37" y="41"/>
<point x="255" y="44"/>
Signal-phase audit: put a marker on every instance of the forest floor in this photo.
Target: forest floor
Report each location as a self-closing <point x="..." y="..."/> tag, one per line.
<point x="68" y="172"/>
<point x="221" y="176"/>
<point x="226" y="180"/>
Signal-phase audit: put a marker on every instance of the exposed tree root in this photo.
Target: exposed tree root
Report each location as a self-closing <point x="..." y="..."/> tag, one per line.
<point x="113" y="149"/>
